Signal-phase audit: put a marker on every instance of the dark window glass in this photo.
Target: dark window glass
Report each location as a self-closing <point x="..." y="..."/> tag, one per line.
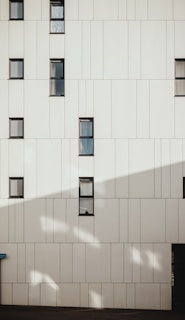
<point x="16" y="69"/>
<point x="57" y="77"/>
<point x="16" y="127"/>
<point x="180" y="77"/>
<point x="57" y="16"/>
<point x="16" y="187"/>
<point x="86" y="140"/>
<point x="183" y="187"/>
<point x="16" y="10"/>
<point x="86" y="196"/>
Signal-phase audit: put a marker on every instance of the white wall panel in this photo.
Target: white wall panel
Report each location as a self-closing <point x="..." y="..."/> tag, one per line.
<point x="134" y="220"/>
<point x="45" y="9"/>
<point x="127" y="263"/>
<point x="104" y="183"/>
<point x="179" y="30"/>
<point x="30" y="49"/>
<point x="84" y="302"/>
<point x="4" y="170"/>
<point x="181" y="221"/>
<point x="66" y="262"/>
<point x="16" y="98"/>
<point x="153" y="60"/>
<point x="4" y="62"/>
<point x="29" y="268"/>
<point x="86" y="166"/>
<point x="86" y="49"/>
<point x="97" y="32"/>
<point x="158" y="168"/>
<point x="176" y="168"/>
<point x="86" y="230"/>
<point x="117" y="262"/>
<point x="20" y="294"/>
<point x="60" y="227"/>
<point x="95" y="295"/>
<point x="137" y="262"/>
<point x="71" y="10"/>
<point x="30" y="163"/>
<point x="36" y="109"/>
<point x="69" y="295"/>
<point x="50" y="222"/>
<point x="65" y="168"/>
<point x="105" y="9"/>
<point x="143" y="112"/>
<point x="170" y="45"/>
<point x="74" y="174"/>
<point x="21" y="259"/>
<point x="101" y="269"/>
<point x="141" y="171"/>
<point x="165" y="165"/>
<point x="42" y="50"/>
<point x="57" y="117"/>
<point x="48" y="294"/>
<point x="134" y="49"/>
<point x="141" y="9"/>
<point x="152" y="220"/>
<point x="131" y="9"/>
<point x="16" y="166"/>
<point x="6" y="294"/>
<point x="147" y="263"/>
<point x="34" y="294"/>
<point x="166" y="296"/>
<point x="107" y="295"/>
<point x="9" y="270"/>
<point x="73" y="60"/>
<point x="123" y="220"/>
<point x="71" y="109"/>
<point x="124" y="111"/>
<point x="57" y="46"/>
<point x="120" y="295"/>
<point x="162" y="109"/>
<point x="11" y="221"/>
<point x="86" y="9"/>
<point x="148" y="296"/>
<point x="102" y="109"/>
<point x="161" y="10"/>
<point x="179" y="9"/>
<point x="115" y="50"/>
<point x="107" y="210"/>
<point x="4" y="123"/>
<point x="131" y="296"/>
<point x="121" y="168"/>
<point x="16" y="36"/>
<point x="162" y="263"/>
<point x="4" y="10"/>
<point x="82" y="97"/>
<point x="79" y="262"/>
<point x="72" y="220"/>
<point x="172" y="220"/>
<point x="3" y="220"/>
<point x="32" y="9"/>
<point x="19" y="220"/>
<point x="89" y="98"/>
<point x="179" y="117"/>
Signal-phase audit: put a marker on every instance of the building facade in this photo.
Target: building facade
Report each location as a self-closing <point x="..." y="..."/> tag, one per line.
<point x="92" y="152"/>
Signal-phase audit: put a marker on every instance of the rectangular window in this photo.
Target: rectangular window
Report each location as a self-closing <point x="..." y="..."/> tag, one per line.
<point x="180" y="77"/>
<point x="16" y="128"/>
<point x="86" y="196"/>
<point x="16" y="187"/>
<point x="57" y="77"/>
<point x="16" y="69"/>
<point x="16" y="10"/>
<point x="86" y="139"/>
<point x="57" y="16"/>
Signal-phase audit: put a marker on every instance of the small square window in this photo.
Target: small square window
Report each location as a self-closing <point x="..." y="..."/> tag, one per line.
<point x="57" y="16"/>
<point x="57" y="77"/>
<point x="86" y="196"/>
<point x="16" y="69"/>
<point x="16" y="9"/>
<point x="86" y="139"/>
<point x="16" y="128"/>
<point x="16" y="187"/>
<point x="180" y="77"/>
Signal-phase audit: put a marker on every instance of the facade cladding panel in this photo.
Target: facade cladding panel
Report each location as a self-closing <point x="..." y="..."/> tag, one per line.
<point x="124" y="68"/>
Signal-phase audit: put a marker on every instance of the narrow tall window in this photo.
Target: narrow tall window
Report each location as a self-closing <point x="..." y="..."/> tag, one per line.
<point x="16" y="69"/>
<point x="16" y="187"/>
<point x="86" y="139"/>
<point x="86" y="196"/>
<point x="16" y="128"/>
<point x="57" y="77"/>
<point x="57" y="16"/>
<point x="16" y="10"/>
<point x="183" y="187"/>
<point x="180" y="77"/>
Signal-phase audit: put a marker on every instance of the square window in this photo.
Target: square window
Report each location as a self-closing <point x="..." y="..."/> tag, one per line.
<point x="180" y="77"/>
<point x="16" y="68"/>
<point x="86" y="196"/>
<point x="57" y="16"/>
<point x="16" y="9"/>
<point x="86" y="137"/>
<point x="16" y="128"/>
<point x="57" y="77"/>
<point x="16" y="187"/>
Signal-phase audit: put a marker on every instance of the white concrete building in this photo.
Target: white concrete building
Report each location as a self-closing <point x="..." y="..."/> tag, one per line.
<point x="92" y="153"/>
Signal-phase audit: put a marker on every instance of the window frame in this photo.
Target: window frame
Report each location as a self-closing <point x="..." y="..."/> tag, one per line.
<point x="91" y="197"/>
<point x="16" y="60"/>
<point x="179" y="78"/>
<point x="54" y="78"/>
<point x="53" y="3"/>
<point x="86" y="137"/>
<point x="18" y="196"/>
<point x="16" y="1"/>
<point x="16" y="137"/>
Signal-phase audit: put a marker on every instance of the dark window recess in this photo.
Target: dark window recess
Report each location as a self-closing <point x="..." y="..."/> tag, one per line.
<point x="180" y="77"/>
<point x="183" y="187"/>
<point x="86" y="137"/>
<point x="16" y="67"/>
<point x="57" y="77"/>
<point x="16" y="187"/>
<point x="57" y="16"/>
<point x="86" y="196"/>
<point x="16" y="128"/>
<point x="16" y="10"/>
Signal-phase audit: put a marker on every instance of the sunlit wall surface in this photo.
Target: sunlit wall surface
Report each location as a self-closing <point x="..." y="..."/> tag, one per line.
<point x="119" y="70"/>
